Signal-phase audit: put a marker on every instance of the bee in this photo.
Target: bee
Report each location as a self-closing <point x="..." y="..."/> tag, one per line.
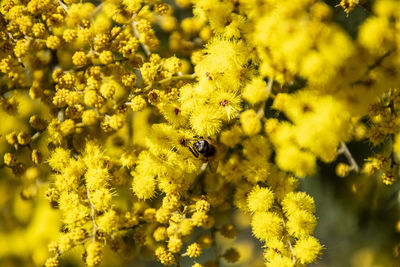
<point x="202" y="147"/>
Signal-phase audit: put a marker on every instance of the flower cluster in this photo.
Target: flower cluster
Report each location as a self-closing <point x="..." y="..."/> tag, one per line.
<point x="141" y="127"/>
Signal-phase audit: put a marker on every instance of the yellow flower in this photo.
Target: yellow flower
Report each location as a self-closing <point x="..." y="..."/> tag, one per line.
<point x="194" y="250"/>
<point x="260" y="199"/>
<point x="206" y="121"/>
<point x="250" y="122"/>
<point x="301" y="223"/>
<point x="307" y="249"/>
<point x="255" y="91"/>
<point x="295" y="201"/>
<point x="94" y="254"/>
<point x="266" y="225"/>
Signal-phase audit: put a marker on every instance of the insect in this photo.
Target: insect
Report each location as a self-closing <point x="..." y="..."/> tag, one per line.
<point x="202" y="147"/>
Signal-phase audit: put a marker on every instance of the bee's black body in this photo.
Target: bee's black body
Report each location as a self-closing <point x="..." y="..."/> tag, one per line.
<point x="202" y="147"/>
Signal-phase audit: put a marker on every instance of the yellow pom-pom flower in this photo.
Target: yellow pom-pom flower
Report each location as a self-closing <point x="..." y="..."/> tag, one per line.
<point x="256" y="91"/>
<point x="266" y="225"/>
<point x="301" y="224"/>
<point x="260" y="199"/>
<point x="295" y="201"/>
<point x="194" y="250"/>
<point x="250" y="122"/>
<point x="307" y="249"/>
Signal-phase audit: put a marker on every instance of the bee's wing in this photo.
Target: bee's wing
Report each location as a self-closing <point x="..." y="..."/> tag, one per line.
<point x="204" y="166"/>
<point x="212" y="165"/>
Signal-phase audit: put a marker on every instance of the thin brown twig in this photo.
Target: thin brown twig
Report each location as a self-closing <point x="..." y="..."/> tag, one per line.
<point x="346" y="152"/>
<point x="171" y="79"/>
<point x="93" y="237"/>
<point x="178" y="260"/>
<point x="137" y="35"/>
<point x="371" y="67"/>
<point x="215" y="246"/>
<point x="92" y="212"/>
<point x="64" y="6"/>
<point x="261" y="110"/>
<point x="294" y="259"/>
<point x="178" y="78"/>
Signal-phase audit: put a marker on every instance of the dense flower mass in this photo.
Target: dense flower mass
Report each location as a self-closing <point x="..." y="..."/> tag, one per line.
<point x="148" y="125"/>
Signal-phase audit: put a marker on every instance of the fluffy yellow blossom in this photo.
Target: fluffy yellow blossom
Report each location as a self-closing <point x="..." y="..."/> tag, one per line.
<point x="299" y="162"/>
<point x="164" y="256"/>
<point x="194" y="250"/>
<point x="199" y="218"/>
<point x="59" y="158"/>
<point x="266" y="225"/>
<point x="276" y="260"/>
<point x="186" y="227"/>
<point x="231" y="137"/>
<point x="138" y="103"/>
<point x="342" y="169"/>
<point x="52" y="262"/>
<point x="175" y="244"/>
<point x="256" y="91"/>
<point x="160" y="234"/>
<point x="295" y="201"/>
<point x="10" y="159"/>
<point x="79" y="58"/>
<point x="307" y="250"/>
<point x="206" y="121"/>
<point x="89" y="117"/>
<point x="260" y="199"/>
<point x="251" y="124"/>
<point x="53" y="42"/>
<point x="301" y="223"/>
<point x="349" y="5"/>
<point x="94" y="256"/>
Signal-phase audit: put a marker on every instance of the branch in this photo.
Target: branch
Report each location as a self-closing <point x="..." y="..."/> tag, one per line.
<point x="178" y="78"/>
<point x="294" y="259"/>
<point x="92" y="212"/>
<point x="261" y="110"/>
<point x="373" y="66"/>
<point x="346" y="152"/>
<point x="64" y="6"/>
<point x="171" y="79"/>
<point x="214" y="245"/>
<point x="137" y="35"/>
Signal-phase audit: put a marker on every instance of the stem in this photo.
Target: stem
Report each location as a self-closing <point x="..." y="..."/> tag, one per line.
<point x="92" y="212"/>
<point x="93" y="237"/>
<point x="35" y="136"/>
<point x="269" y="85"/>
<point x="373" y="66"/>
<point x="137" y="35"/>
<point x="64" y="6"/>
<point x="125" y="228"/>
<point x="6" y="90"/>
<point x="171" y="79"/>
<point x="79" y="125"/>
<point x="261" y="110"/>
<point x="61" y="115"/>
<point x="117" y="33"/>
<point x="91" y="64"/>
<point x="346" y="152"/>
<point x="178" y="78"/>
<point x="96" y="10"/>
<point x="294" y="259"/>
<point x="214" y="245"/>
<point x="80" y="243"/>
